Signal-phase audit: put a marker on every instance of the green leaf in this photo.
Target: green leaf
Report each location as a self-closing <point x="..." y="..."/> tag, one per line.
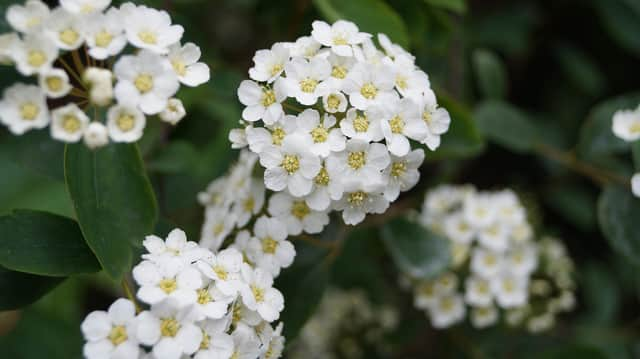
<point x="575" y="202"/>
<point x="490" y="74"/>
<point x="416" y="250"/>
<point x="581" y="70"/>
<point x="44" y="244"/>
<point x="38" y="152"/>
<point x="621" y="19"/>
<point x="458" y="6"/>
<point x="21" y="289"/>
<point x="618" y="213"/>
<point x="374" y="16"/>
<point x="596" y="137"/>
<point x="113" y="199"/>
<point x="302" y="285"/>
<point x="635" y="151"/>
<point x="178" y="156"/>
<point x="507" y="126"/>
<point x="463" y="138"/>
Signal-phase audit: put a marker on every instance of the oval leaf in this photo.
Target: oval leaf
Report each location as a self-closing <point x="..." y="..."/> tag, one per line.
<point x="18" y="290"/>
<point x="490" y="74"/>
<point x="416" y="250"/>
<point x="507" y="126"/>
<point x="618" y="213"/>
<point x="113" y="200"/>
<point x="45" y="244"/>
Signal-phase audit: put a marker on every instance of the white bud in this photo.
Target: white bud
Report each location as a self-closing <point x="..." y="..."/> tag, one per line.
<point x="174" y="112"/>
<point x="96" y="135"/>
<point x="100" y="82"/>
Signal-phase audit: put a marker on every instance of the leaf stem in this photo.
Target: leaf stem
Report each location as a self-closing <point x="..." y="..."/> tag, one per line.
<point x="127" y="291"/>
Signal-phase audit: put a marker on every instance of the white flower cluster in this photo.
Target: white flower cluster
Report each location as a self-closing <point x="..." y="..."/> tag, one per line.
<point x="203" y="305"/>
<point x="496" y="261"/>
<point x="71" y="49"/>
<point x="331" y="117"/>
<point x="626" y="126"/>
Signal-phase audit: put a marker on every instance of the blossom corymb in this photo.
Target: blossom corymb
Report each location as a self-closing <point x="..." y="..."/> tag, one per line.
<point x="333" y="108"/>
<point x="90" y="56"/>
<point x="498" y="266"/>
<point x="626" y="124"/>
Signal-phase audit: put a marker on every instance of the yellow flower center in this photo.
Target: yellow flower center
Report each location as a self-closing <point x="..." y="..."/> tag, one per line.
<point x="69" y="36"/>
<point x="148" y="37"/>
<point x="275" y="69"/>
<point x="144" y="83"/>
<point x="206" y="340"/>
<point x="203" y="296"/>
<point x="635" y="127"/>
<point x="70" y="123"/>
<point x="426" y="117"/>
<point x="29" y="111"/>
<point x="398" y="169"/>
<point x="125" y="122"/>
<point x="508" y="285"/>
<point x="397" y="125"/>
<point x="169" y="327"/>
<point x="268" y="97"/>
<point x="168" y="285"/>
<point x="322" y="178"/>
<point x="248" y="204"/>
<point x="483" y="288"/>
<point x="299" y="209"/>
<point x="339" y="40"/>
<point x="277" y="136"/>
<point x="427" y="289"/>
<point x="401" y="82"/>
<point x="319" y="134"/>
<point x="369" y="91"/>
<point x="179" y="67"/>
<point x="333" y="102"/>
<point x="291" y="163"/>
<point x="361" y="123"/>
<point x="308" y="85"/>
<point x="103" y="38"/>
<point x="34" y="21"/>
<point x="236" y="313"/>
<point x="269" y="245"/>
<point x="118" y="335"/>
<point x="339" y="72"/>
<point x="235" y="355"/>
<point x="221" y="272"/>
<point x="356" y="160"/>
<point x="54" y="83"/>
<point x="490" y="260"/>
<point x="357" y="198"/>
<point x="446" y="304"/>
<point x="258" y="293"/>
<point x="218" y="228"/>
<point x="36" y="58"/>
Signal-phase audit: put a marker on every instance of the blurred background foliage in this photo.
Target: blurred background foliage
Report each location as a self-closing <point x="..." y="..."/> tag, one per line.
<point x="531" y="86"/>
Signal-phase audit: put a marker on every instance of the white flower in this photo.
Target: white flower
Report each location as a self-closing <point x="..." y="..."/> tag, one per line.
<point x="63" y="28"/>
<point x="304" y="46"/>
<point x="358" y="200"/>
<point x="111" y="334"/>
<point x="68" y="123"/>
<point x="259" y="295"/>
<point x="210" y="304"/>
<point x="306" y="79"/>
<point x="340" y="67"/>
<point x="447" y="311"/>
<point x="184" y="60"/>
<point x="362" y="126"/>
<point x="149" y="28"/>
<point x="174" y="112"/>
<point x="55" y="83"/>
<point x="34" y="54"/>
<point x="402" y="121"/>
<point x="446" y="283"/>
<point x="410" y="81"/>
<point x="635" y="184"/>
<point x="125" y="124"/>
<point x="478" y="292"/>
<point x="483" y="317"/>
<point x="272" y="342"/>
<point x="169" y="331"/>
<point x="626" y="124"/>
<point x="104" y="34"/>
<point x="100" y="82"/>
<point x="458" y="229"/>
<point x="238" y="138"/>
<point x="245" y="343"/>
<point x="218" y="224"/>
<point x="159" y="283"/>
<point x="494" y="237"/>
<point x="96" y="135"/>
<point x="146" y="80"/>
<point x="296" y="214"/>
<point x="249" y="204"/>
<point x="361" y="161"/>
<point x="334" y="102"/>
<point x="323" y="137"/>
<point x="8" y="43"/>
<point x="479" y="210"/>
<point x="510" y="291"/>
<point x="263" y="103"/>
<point x="436" y="118"/>
<point x="393" y="50"/>
<point x="175" y="251"/>
<point x="522" y="260"/>
<point x="367" y="85"/>
<point x="224" y="269"/>
<point x="425" y="295"/>
<point x="270" y="249"/>
<point x="290" y="166"/>
<point x="326" y="187"/>
<point x="29" y="17"/>
<point x="215" y="343"/>
<point x="23" y="108"/>
<point x="339" y="37"/>
<point x="403" y="173"/>
<point x="269" y="64"/>
<point x="84" y="6"/>
<point x="485" y="263"/>
<point x="241" y="315"/>
<point x="259" y="138"/>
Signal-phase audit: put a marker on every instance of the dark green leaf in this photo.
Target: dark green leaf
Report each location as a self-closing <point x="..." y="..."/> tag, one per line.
<point x="490" y="74"/>
<point x="618" y="214"/>
<point x="635" y="151"/>
<point x="44" y="244"/>
<point x="601" y="295"/>
<point x="178" y="156"/>
<point x="596" y="136"/>
<point x="416" y="250"/>
<point x="21" y="289"/>
<point x="581" y="70"/>
<point x="575" y="202"/>
<point x="622" y="20"/>
<point x="37" y="151"/>
<point x="374" y="16"/>
<point x="113" y="200"/>
<point x="459" y="6"/>
<point x="572" y="351"/>
<point x="507" y="126"/>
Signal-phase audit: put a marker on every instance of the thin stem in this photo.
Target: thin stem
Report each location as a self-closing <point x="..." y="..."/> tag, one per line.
<point x="129" y="293"/>
<point x="315" y="242"/>
<point x="292" y="107"/>
<point x="71" y="71"/>
<point x="78" y="93"/>
<point x="75" y="55"/>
